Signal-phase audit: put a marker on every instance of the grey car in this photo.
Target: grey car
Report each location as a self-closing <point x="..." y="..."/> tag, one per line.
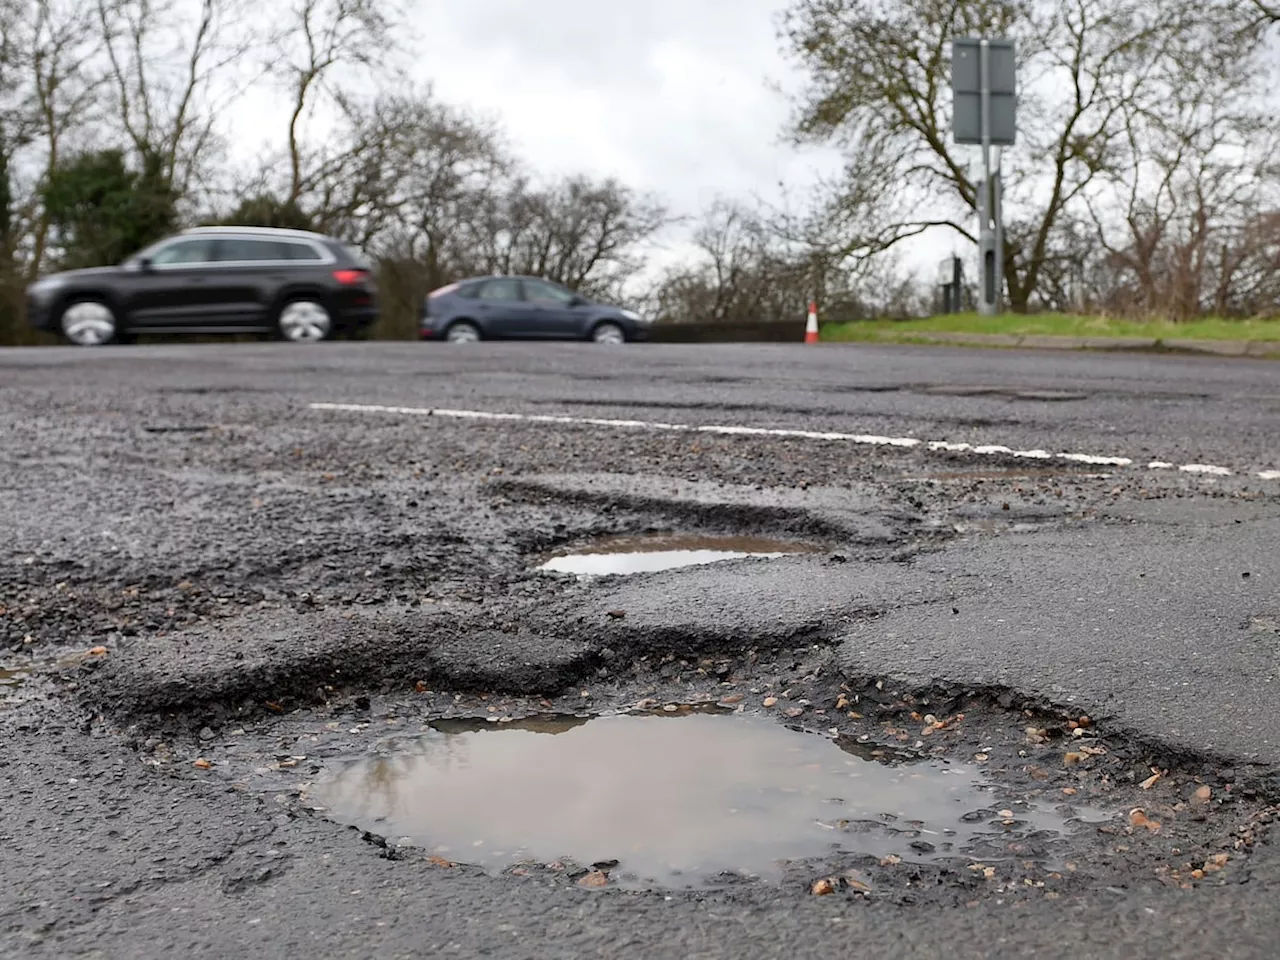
<point x="524" y="308"/>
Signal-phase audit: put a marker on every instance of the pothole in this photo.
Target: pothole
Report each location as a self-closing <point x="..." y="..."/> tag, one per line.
<point x="679" y="799"/>
<point x="650" y="553"/>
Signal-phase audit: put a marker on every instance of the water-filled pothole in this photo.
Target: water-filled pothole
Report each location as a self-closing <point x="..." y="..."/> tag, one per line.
<point x="650" y="553"/>
<point x="677" y="799"/>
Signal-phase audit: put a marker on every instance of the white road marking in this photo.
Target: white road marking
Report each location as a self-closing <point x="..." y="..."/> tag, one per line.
<point x="1097" y="461"/>
<point x="1205" y="468"/>
<point x="862" y="439"/>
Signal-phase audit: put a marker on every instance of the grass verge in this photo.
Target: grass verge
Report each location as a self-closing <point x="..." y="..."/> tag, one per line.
<point x="1053" y="325"/>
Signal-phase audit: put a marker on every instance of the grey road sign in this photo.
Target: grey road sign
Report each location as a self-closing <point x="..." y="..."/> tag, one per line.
<point x="966" y="88"/>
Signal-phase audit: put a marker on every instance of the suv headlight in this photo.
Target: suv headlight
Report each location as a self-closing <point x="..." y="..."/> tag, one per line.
<point x="632" y="315"/>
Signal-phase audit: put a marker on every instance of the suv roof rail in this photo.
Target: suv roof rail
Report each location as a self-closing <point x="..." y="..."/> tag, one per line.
<point x="268" y="231"/>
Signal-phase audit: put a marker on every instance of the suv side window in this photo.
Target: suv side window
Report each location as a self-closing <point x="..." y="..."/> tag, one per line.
<point x="180" y="252"/>
<point x="292" y="250"/>
<point x="502" y="289"/>
<point x="243" y="249"/>
<point x="539" y="291"/>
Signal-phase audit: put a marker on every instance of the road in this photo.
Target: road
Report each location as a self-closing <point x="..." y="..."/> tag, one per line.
<point x="277" y="552"/>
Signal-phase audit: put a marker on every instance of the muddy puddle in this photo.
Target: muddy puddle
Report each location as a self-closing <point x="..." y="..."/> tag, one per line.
<point x="651" y="553"/>
<point x="678" y="800"/>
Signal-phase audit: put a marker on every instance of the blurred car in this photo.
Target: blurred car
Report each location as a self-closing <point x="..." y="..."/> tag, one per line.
<point x="303" y="286"/>
<point x="523" y="308"/>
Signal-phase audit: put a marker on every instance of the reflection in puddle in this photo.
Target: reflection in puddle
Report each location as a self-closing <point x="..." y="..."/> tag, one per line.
<point x="676" y="803"/>
<point x="650" y="553"/>
<point x="546" y="723"/>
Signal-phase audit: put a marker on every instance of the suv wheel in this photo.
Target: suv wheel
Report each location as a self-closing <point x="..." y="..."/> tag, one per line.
<point x="304" y="321"/>
<point x="89" y="323"/>
<point x="608" y="333"/>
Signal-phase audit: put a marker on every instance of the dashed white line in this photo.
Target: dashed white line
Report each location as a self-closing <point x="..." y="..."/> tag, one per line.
<point x="1097" y="461"/>
<point x="863" y="439"/>
<point x="1205" y="468"/>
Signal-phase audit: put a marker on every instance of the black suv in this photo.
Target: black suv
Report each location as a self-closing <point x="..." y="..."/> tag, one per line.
<point x="303" y="286"/>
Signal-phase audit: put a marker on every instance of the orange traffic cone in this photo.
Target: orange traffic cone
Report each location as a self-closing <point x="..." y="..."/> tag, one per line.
<point x="811" y="328"/>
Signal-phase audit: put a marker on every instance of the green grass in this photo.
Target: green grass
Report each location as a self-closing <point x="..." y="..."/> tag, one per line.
<point x="1054" y="325"/>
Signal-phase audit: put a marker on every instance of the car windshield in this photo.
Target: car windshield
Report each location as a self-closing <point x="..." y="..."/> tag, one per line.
<point x="135" y="258"/>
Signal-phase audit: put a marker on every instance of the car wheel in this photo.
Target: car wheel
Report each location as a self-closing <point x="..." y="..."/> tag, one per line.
<point x="462" y="332"/>
<point x="89" y="323"/>
<point x="304" y="321"/>
<point x="608" y="333"/>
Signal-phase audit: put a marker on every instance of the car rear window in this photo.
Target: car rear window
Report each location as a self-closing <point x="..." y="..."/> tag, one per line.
<point x="355" y="255"/>
<point x="299" y="251"/>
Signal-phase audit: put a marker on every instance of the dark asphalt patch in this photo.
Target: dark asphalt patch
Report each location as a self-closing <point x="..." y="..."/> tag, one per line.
<point x="279" y="660"/>
<point x="177" y="428"/>
<point x="853" y="513"/>
<point x="1010" y="393"/>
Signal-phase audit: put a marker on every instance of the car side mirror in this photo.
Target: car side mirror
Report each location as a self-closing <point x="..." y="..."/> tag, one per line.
<point x="144" y="264"/>
<point x="578" y="301"/>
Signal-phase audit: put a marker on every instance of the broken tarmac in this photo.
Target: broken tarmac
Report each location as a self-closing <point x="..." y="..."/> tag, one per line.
<point x="273" y="588"/>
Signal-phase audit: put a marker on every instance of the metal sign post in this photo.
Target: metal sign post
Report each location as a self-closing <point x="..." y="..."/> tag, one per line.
<point x="984" y="90"/>
<point x="951" y="284"/>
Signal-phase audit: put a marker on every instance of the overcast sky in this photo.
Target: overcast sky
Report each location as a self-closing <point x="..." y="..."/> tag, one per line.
<point x="670" y="95"/>
<point x="684" y="98"/>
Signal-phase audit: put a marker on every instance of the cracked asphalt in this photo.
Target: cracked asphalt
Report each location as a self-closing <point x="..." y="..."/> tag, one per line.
<point x="202" y="577"/>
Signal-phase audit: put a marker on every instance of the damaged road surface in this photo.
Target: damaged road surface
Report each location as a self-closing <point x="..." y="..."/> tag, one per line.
<point x="701" y="652"/>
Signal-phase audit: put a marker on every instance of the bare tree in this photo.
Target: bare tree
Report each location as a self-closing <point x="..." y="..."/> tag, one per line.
<point x="878" y="86"/>
<point x="745" y="271"/>
<point x="443" y="170"/>
<point x="317" y="38"/>
<point x="50" y="91"/>
<point x="1266" y="10"/>
<point x="415" y="182"/>
<point x="1198" y="163"/>
<point x="174" y="67"/>
<point x="585" y="234"/>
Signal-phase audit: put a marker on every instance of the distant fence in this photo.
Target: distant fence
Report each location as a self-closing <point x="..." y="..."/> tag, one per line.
<point x="764" y="331"/>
